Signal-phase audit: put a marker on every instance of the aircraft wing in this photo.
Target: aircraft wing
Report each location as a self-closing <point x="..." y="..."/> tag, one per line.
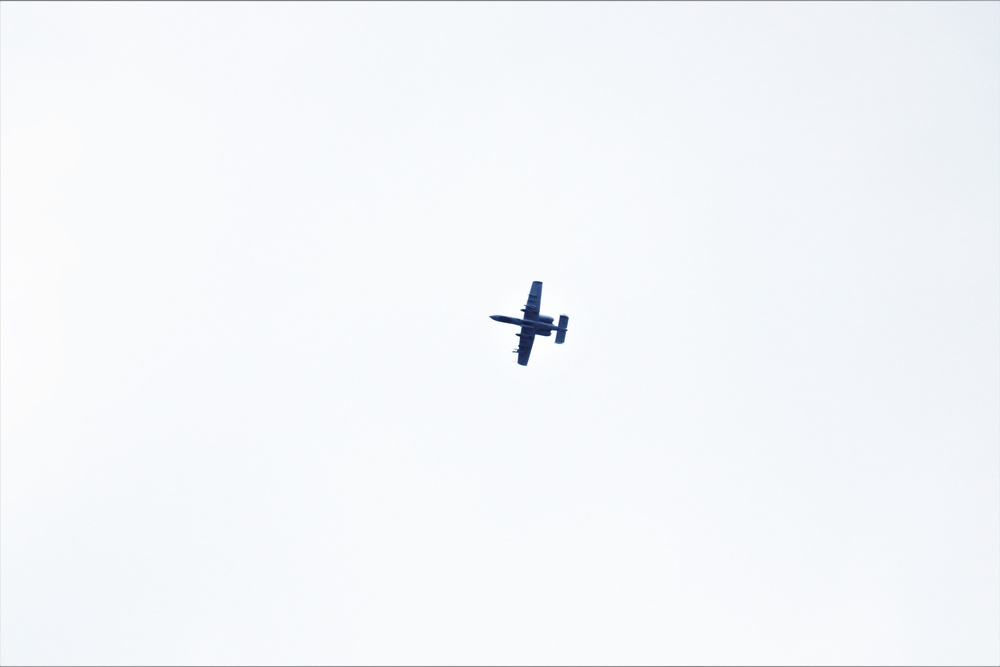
<point x="534" y="303"/>
<point x="524" y="347"/>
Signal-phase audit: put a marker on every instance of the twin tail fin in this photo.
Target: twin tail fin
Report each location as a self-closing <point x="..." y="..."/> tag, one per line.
<point x="561" y="333"/>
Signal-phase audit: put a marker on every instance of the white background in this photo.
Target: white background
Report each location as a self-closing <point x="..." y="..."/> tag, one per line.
<point x="254" y="411"/>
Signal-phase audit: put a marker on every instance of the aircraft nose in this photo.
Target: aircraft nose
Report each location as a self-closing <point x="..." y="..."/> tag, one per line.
<point x="495" y="318"/>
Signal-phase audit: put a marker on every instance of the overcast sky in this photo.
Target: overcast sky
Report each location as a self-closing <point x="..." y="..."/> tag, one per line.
<point x="254" y="411"/>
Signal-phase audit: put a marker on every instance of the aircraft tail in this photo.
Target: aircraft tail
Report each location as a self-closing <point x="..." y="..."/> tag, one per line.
<point x="561" y="333"/>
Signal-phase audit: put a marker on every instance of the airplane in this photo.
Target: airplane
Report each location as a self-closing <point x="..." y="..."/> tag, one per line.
<point x="533" y="324"/>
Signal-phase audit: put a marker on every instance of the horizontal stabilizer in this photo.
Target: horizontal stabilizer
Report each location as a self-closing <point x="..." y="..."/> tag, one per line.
<point x="561" y="333"/>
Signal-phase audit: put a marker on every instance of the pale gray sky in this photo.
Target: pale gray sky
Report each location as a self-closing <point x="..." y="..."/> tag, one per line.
<point x="254" y="411"/>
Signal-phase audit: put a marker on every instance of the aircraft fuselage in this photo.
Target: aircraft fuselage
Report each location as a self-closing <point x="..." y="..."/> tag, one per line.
<point x="543" y="325"/>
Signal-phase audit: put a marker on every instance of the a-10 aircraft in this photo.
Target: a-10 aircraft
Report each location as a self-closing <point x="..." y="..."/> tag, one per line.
<point x="534" y="324"/>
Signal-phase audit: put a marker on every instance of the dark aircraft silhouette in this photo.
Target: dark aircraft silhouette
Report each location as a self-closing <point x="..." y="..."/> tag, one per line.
<point x="533" y="324"/>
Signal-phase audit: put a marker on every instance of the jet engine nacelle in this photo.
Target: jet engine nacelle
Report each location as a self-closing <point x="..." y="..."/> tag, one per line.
<point x="546" y="319"/>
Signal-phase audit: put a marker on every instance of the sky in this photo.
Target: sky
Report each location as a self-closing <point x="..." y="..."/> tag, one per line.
<point x="254" y="410"/>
